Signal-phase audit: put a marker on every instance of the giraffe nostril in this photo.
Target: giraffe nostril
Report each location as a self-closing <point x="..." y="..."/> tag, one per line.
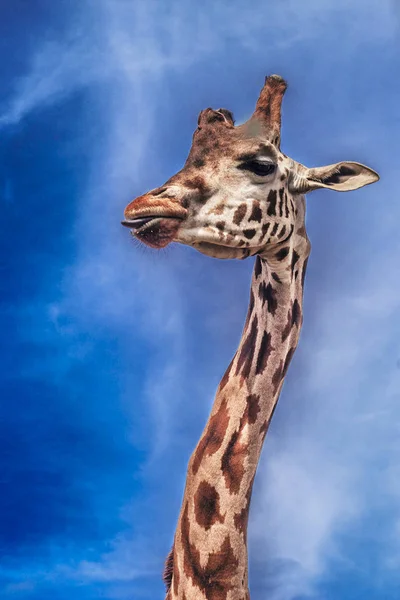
<point x="159" y="191"/>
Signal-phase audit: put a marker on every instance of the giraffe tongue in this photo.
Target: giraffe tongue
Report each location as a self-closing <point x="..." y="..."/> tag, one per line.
<point x="136" y="223"/>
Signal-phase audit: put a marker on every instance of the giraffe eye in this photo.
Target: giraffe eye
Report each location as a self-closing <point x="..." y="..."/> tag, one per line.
<point x="261" y="168"/>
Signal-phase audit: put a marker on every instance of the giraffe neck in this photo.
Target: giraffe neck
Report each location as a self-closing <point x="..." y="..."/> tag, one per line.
<point x="209" y="557"/>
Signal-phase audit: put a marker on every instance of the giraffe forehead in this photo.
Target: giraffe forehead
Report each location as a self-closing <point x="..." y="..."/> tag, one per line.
<point x="213" y="144"/>
<point x="208" y="147"/>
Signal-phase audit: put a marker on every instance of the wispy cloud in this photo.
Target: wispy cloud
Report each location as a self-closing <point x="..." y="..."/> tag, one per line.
<point x="141" y="41"/>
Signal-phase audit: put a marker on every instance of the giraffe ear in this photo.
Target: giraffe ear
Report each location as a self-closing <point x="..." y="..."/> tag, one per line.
<point x="341" y="177"/>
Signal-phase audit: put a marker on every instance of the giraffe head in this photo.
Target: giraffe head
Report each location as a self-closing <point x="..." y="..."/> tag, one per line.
<point x="237" y="193"/>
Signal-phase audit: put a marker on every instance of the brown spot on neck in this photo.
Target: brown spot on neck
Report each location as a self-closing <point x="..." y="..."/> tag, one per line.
<point x="213" y="437"/>
<point x="268" y="295"/>
<point x="252" y="408"/>
<point x="244" y="360"/>
<point x="214" y="580"/>
<point x="282" y="253"/>
<point x="206" y="506"/>
<point x="264" y="353"/>
<point x="257" y="267"/>
<point x="232" y="462"/>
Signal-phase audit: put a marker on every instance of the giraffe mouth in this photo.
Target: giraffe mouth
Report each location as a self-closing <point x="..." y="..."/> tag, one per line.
<point x="154" y="230"/>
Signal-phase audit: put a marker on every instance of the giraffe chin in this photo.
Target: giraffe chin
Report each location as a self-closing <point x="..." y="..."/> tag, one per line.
<point x="158" y="233"/>
<point x="222" y="252"/>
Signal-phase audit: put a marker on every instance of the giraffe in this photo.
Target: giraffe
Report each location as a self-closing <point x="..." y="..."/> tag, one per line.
<point x="237" y="196"/>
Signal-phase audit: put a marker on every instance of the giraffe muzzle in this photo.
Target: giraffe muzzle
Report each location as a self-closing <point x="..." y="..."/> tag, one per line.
<point x="156" y="231"/>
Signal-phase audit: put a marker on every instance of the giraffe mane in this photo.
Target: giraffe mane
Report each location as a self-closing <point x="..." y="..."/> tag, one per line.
<point x="168" y="569"/>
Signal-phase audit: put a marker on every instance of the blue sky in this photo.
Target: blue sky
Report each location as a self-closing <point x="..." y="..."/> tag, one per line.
<point x="111" y="353"/>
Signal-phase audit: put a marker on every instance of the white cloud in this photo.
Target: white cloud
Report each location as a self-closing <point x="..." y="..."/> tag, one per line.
<point x="140" y="41"/>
